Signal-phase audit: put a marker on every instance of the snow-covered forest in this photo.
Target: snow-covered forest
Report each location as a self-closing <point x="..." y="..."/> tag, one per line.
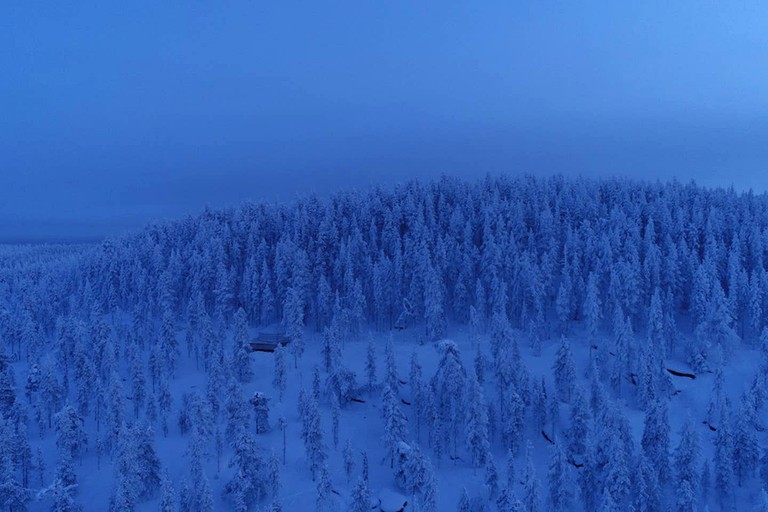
<point x="502" y="345"/>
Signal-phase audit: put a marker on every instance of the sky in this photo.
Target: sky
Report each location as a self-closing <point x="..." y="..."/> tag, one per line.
<point x="114" y="113"/>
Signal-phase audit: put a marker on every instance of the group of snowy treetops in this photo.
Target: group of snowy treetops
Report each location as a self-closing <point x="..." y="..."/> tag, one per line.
<point x="645" y="273"/>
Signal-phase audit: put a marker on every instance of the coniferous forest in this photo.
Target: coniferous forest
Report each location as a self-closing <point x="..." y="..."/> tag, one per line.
<point x="507" y="344"/>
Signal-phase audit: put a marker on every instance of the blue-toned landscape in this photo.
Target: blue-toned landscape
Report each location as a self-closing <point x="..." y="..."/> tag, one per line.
<point x="383" y="257"/>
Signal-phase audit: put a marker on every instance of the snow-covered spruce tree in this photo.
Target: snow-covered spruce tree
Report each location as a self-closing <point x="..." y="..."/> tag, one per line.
<point x="564" y="301"/>
<point x="114" y="420"/>
<point x="260" y="403"/>
<point x="64" y="488"/>
<point x="138" y="383"/>
<point x="326" y="501"/>
<point x="70" y="432"/>
<point x="513" y="428"/>
<point x="360" y="498"/>
<point x="391" y="378"/>
<point x="477" y="424"/>
<point x="137" y="468"/>
<point x="715" y="326"/>
<point x="382" y="276"/>
<point x="491" y="479"/>
<point x="560" y="482"/>
<point x="86" y="382"/>
<point x="510" y="465"/>
<point x="755" y="298"/>
<point x="687" y="457"/>
<point x="434" y="307"/>
<point x="686" y="500"/>
<point x="480" y="364"/>
<point x="448" y="385"/>
<point x="705" y="481"/>
<point x="348" y="456"/>
<point x="725" y="478"/>
<point x="164" y="402"/>
<point x="553" y="412"/>
<point x="716" y="400"/>
<point x="13" y="494"/>
<point x="248" y="482"/>
<point x="210" y="339"/>
<point x="316" y="383"/>
<point x="657" y="339"/>
<point x="331" y="347"/>
<point x="236" y="410"/>
<point x="395" y="424"/>
<point x="540" y="410"/>
<point x="579" y="428"/>
<point x="364" y="469"/>
<point x="51" y="391"/>
<point x="240" y="349"/>
<point x="428" y="502"/>
<point x="621" y="367"/>
<point x="167" y="494"/>
<point x="746" y="448"/>
<point x="217" y="379"/>
<point x="608" y="504"/>
<point x="168" y="347"/>
<point x="274" y="483"/>
<point x="417" y="392"/>
<point x="370" y="366"/>
<point x="415" y="474"/>
<point x="646" y="486"/>
<point x="592" y="306"/>
<point x="616" y="459"/>
<point x="655" y="439"/>
<point x="764" y="468"/>
<point x="531" y="486"/>
<point x="293" y="320"/>
<point x="501" y="336"/>
<point x="268" y="310"/>
<point x="279" y="378"/>
<point x="565" y="371"/>
<point x="335" y="418"/>
<point x="313" y="437"/>
<point x="324" y="303"/>
<point x="356" y="306"/>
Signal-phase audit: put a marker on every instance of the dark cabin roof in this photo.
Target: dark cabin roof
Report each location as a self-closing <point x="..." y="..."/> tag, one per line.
<point x="267" y="341"/>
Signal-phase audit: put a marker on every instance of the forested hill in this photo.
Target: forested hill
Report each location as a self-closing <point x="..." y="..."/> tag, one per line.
<point x="633" y="279"/>
<point x="532" y="253"/>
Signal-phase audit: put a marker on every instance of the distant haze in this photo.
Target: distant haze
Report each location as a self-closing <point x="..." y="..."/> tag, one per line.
<point x="115" y="113"/>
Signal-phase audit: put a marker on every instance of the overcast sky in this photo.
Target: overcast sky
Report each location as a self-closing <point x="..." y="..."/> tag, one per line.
<point x="113" y="113"/>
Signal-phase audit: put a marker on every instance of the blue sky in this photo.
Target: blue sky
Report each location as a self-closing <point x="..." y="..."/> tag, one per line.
<point x="114" y="113"/>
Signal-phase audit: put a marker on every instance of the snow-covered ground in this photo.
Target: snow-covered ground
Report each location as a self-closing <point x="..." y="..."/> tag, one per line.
<point x="361" y="423"/>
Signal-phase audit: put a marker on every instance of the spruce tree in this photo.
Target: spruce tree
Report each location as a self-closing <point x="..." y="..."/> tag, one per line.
<point x="349" y="459"/>
<point x="531" y="486"/>
<point x="565" y="371"/>
<point x="687" y="457"/>
<point x="360" y="499"/>
<point x="655" y="439"/>
<point x="560" y="482"/>
<point x="370" y="365"/>
<point x="477" y="425"/>
<point x="241" y="350"/>
<point x="279" y="374"/>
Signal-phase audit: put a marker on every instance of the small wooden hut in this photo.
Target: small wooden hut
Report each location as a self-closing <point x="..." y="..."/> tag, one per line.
<point x="267" y="341"/>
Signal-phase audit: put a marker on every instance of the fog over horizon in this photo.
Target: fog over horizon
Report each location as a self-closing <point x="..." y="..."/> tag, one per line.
<point x="114" y="115"/>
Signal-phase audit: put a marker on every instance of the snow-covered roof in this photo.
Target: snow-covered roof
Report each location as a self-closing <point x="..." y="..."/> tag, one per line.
<point x="391" y="501"/>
